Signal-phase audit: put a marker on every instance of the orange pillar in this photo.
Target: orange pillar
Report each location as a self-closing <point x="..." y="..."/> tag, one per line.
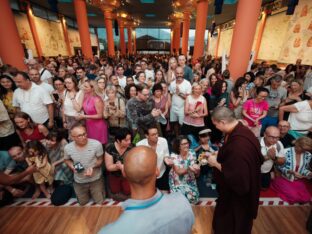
<point x="83" y="26"/>
<point x="218" y="42"/>
<point x="33" y="29"/>
<point x="11" y="49"/>
<point x="129" y="30"/>
<point x="247" y="14"/>
<point x="185" y="35"/>
<point x="260" y="33"/>
<point x="171" y="40"/>
<point x="176" y="36"/>
<point x="65" y="32"/>
<point x="201" y="18"/>
<point x="134" y="42"/>
<point x="109" y="32"/>
<point x="122" y="38"/>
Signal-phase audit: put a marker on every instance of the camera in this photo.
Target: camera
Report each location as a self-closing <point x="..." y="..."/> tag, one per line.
<point x="78" y="167"/>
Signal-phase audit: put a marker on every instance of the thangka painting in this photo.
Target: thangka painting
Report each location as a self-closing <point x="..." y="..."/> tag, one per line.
<point x="298" y="40"/>
<point x="25" y="32"/>
<point x="51" y="37"/>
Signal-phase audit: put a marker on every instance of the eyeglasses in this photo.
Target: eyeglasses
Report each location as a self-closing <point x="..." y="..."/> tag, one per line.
<point x="83" y="135"/>
<point x="184" y="143"/>
<point x="274" y="137"/>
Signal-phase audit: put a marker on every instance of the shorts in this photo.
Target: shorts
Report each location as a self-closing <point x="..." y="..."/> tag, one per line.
<point x="177" y="115"/>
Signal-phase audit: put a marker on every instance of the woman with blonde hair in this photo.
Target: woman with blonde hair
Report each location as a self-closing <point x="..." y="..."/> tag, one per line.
<point x="173" y="64"/>
<point x="93" y="108"/>
<point x="115" y="110"/>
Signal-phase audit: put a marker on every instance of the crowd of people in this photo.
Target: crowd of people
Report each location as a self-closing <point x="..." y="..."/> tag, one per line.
<point x="73" y="121"/>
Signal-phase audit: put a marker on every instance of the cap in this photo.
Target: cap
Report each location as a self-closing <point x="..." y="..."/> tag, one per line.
<point x="205" y="131"/>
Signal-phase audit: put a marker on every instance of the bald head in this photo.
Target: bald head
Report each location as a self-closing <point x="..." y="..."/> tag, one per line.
<point x="272" y="130"/>
<point x="140" y="165"/>
<point x="271" y="135"/>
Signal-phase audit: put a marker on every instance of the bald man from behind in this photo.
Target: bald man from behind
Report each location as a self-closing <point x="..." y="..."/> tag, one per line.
<point x="148" y="211"/>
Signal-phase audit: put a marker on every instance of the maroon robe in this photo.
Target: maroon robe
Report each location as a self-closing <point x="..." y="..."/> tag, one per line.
<point x="238" y="184"/>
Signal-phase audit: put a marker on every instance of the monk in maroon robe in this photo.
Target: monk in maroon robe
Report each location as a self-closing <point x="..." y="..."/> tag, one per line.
<point x="237" y="174"/>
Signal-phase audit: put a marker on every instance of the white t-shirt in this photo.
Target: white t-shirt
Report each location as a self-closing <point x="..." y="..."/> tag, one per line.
<point x="122" y="81"/>
<point x="162" y="151"/>
<point x="68" y="106"/>
<point x="268" y="164"/>
<point x="185" y="88"/>
<point x="301" y="121"/>
<point x="34" y="102"/>
<point x="149" y="74"/>
<point x="45" y="76"/>
<point x="47" y="87"/>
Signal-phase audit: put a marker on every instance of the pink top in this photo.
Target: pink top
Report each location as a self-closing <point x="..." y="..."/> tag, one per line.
<point x="198" y="105"/>
<point x="254" y="110"/>
<point x="96" y="128"/>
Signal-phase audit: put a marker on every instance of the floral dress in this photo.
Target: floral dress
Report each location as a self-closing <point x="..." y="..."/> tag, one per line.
<point x="186" y="184"/>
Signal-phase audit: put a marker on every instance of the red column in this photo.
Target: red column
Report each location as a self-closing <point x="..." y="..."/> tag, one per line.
<point x="134" y="42"/>
<point x="201" y="18"/>
<point x="185" y="35"/>
<point x="65" y="32"/>
<point x="122" y="38"/>
<point x="33" y="29"/>
<point x="218" y="42"/>
<point x="83" y="26"/>
<point x="260" y="33"/>
<point x="176" y="36"/>
<point x="11" y="49"/>
<point x="247" y="14"/>
<point x="109" y="32"/>
<point x="129" y="30"/>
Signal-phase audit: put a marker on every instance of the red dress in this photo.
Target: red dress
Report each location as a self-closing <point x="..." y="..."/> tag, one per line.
<point x="35" y="135"/>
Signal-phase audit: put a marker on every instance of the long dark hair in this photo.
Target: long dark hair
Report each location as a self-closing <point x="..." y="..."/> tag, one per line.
<point x="239" y="82"/>
<point x="4" y="91"/>
<point x="216" y="89"/>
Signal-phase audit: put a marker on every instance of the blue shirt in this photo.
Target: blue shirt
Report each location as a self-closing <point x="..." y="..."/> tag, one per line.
<point x="163" y="213"/>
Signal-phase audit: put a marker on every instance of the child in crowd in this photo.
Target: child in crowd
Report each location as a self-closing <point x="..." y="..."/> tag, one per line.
<point x="37" y="155"/>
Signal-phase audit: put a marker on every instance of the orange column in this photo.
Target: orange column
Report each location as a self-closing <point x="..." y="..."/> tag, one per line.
<point x="218" y="42"/>
<point x="260" y="33"/>
<point x="33" y="29"/>
<point x="65" y="32"/>
<point x="185" y="35"/>
<point x="247" y="14"/>
<point x="134" y="42"/>
<point x="109" y="32"/>
<point x="176" y="36"/>
<point x="171" y="40"/>
<point x="122" y="38"/>
<point x="129" y="30"/>
<point x="83" y="26"/>
<point x="201" y="18"/>
<point x="11" y="49"/>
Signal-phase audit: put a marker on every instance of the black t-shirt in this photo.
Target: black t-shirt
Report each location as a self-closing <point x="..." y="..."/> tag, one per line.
<point x="111" y="149"/>
<point x="287" y="141"/>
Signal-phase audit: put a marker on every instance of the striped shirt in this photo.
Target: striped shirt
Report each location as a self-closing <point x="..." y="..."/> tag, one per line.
<point x="87" y="157"/>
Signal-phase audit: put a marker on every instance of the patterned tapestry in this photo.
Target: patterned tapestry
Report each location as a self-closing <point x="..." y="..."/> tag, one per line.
<point x="298" y="39"/>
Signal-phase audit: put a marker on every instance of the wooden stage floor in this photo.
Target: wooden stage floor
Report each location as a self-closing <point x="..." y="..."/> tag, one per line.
<point x="76" y="220"/>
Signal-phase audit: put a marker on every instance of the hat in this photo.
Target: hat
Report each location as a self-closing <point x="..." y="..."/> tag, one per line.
<point x="205" y="131"/>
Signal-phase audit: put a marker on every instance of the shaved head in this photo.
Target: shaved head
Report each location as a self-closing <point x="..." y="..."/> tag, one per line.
<point x="140" y="165"/>
<point x="272" y="130"/>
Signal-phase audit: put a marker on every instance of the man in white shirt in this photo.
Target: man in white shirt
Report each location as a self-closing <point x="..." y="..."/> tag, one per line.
<point x="122" y="80"/>
<point x="273" y="152"/>
<point x="148" y="73"/>
<point x="35" y="77"/>
<point x="160" y="146"/>
<point x="33" y="100"/>
<point x="180" y="89"/>
<point x="45" y="74"/>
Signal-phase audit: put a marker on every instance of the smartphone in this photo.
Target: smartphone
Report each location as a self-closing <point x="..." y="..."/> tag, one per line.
<point x="79" y="167"/>
<point x="56" y="96"/>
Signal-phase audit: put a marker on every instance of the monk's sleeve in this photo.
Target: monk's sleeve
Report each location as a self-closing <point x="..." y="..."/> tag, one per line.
<point x="236" y="170"/>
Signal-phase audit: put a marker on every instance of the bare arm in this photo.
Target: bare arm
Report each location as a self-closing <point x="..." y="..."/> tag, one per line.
<point x="283" y="109"/>
<point x="109" y="163"/>
<point x="9" y="180"/>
